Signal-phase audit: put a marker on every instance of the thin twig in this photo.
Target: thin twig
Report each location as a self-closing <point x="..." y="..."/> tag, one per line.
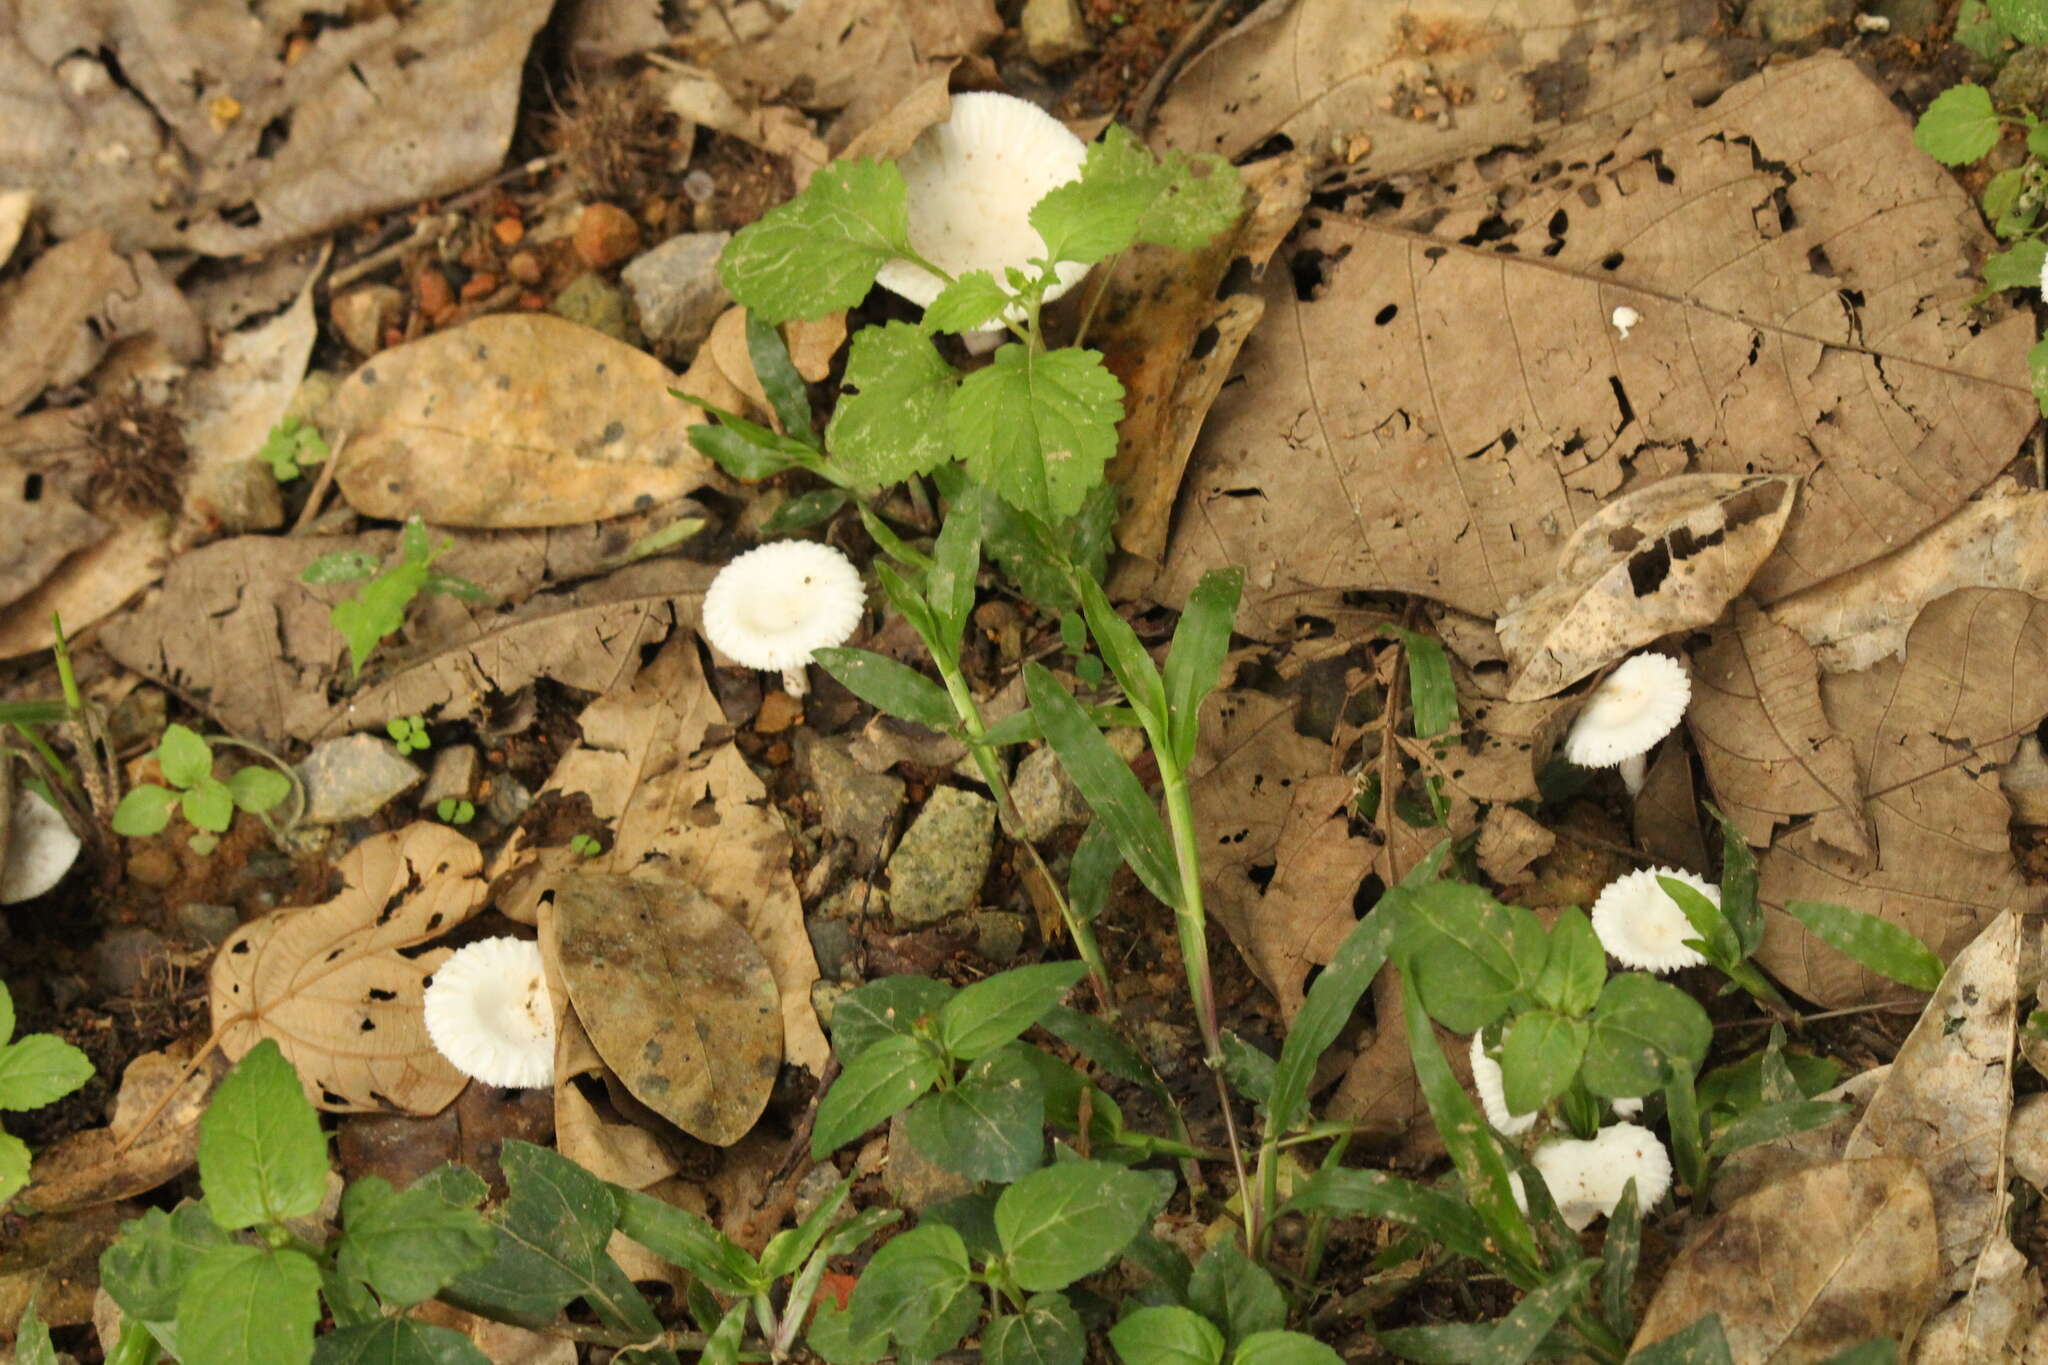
<point x="321" y="484"/>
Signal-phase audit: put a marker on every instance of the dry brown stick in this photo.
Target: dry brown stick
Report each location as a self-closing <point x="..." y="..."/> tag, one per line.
<point x="320" y="486"/>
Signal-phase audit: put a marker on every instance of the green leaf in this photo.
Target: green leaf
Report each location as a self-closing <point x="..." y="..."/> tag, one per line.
<point x="343" y="566"/>
<point x="146" y="1269"/>
<point x="262" y="1156"/>
<point x="1518" y="1336"/>
<point x="723" y="1347"/>
<point x="408" y="1245"/>
<point x="1069" y="1220"/>
<point x="1249" y="1071"/>
<point x="1716" y="936"/>
<point x="1639" y="1024"/>
<point x="787" y="1249"/>
<point x="833" y="1338"/>
<point x="1166" y="1336"/>
<point x="972" y="303"/>
<point x="1576" y="966"/>
<point x="1038" y="429"/>
<point x="746" y="451"/>
<point x="209" y="806"/>
<point x="245" y="1305"/>
<point x="1283" y="1348"/>
<point x="2037" y="373"/>
<point x="1432" y="696"/>
<point x="888" y="1007"/>
<point x="1111" y="788"/>
<point x="890" y="424"/>
<point x="397" y="1341"/>
<point x="1540" y="1053"/>
<point x="184" y="757"/>
<point x="1124" y="196"/>
<point x="820" y="251"/>
<point x="38" y="1069"/>
<point x="2001" y="195"/>
<point x="1878" y="944"/>
<point x="1127" y="658"/>
<point x="1356" y="1193"/>
<point x="1702" y="1343"/>
<point x="883" y="1078"/>
<point x="1459" y="1343"/>
<point x="1682" y="1110"/>
<point x="780" y="382"/>
<point x="1036" y="558"/>
<point x="1959" y="126"/>
<point x="1776" y="1121"/>
<point x="683" y="1238"/>
<point x="2018" y="268"/>
<point x="1101" y="1044"/>
<point x="1620" y="1250"/>
<point x="916" y="1289"/>
<point x="2026" y="20"/>
<point x="1738" y="884"/>
<point x="956" y="562"/>
<point x="805" y="510"/>
<point x="1047" y="1332"/>
<point x="1093" y="870"/>
<point x="889" y="686"/>
<point x="1201" y="639"/>
<point x="144" y="811"/>
<point x="1467" y="953"/>
<point x="257" y="788"/>
<point x="6" y="1013"/>
<point x="32" y="1344"/>
<point x="988" y="1014"/>
<point x="1230" y="1289"/>
<point x="1977" y="31"/>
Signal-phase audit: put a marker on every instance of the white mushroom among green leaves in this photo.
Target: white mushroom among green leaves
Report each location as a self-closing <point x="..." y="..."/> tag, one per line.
<point x="1635" y="706"/>
<point x="1587" y="1176"/>
<point x="772" y="606"/>
<point x="489" y="1013"/>
<point x="39" y="848"/>
<point x="1639" y="924"/>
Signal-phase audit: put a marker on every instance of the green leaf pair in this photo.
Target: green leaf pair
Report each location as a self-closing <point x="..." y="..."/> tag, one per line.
<point x="291" y="445"/>
<point x="35" y="1070"/>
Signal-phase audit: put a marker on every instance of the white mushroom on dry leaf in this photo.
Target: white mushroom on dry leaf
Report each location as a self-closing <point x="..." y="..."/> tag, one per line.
<point x="1587" y="1176"/>
<point x="40" y="849"/>
<point x="489" y="1013"/>
<point x="1491" y="1086"/>
<point x="770" y="607"/>
<point x="1639" y="924"/>
<point x="1636" y="705"/>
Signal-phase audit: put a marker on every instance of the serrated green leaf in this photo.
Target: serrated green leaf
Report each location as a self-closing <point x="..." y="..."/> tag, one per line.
<point x="408" y="1244"/>
<point x="916" y="1289"/>
<point x="1037" y="429"/>
<point x="2026" y="20"/>
<point x="1283" y="1348"/>
<point x="262" y="1156"/>
<point x="144" y="811"/>
<point x="888" y="1007"/>
<point x="890" y="424"/>
<point x="209" y="806"/>
<point x="14" y="1165"/>
<point x="1959" y="126"/>
<point x="1111" y="789"/>
<point x="1047" y="1332"/>
<point x="1639" y="1025"/>
<point x="1540" y="1054"/>
<point x="245" y="1305"/>
<point x="397" y="1341"/>
<point x="257" y="789"/>
<point x="972" y="303"/>
<point x="183" y="756"/>
<point x="1166" y="1335"/>
<point x="882" y="1079"/>
<point x="1069" y="1220"/>
<point x="888" y="686"/>
<point x="1467" y="953"/>
<point x="2017" y="268"/>
<point x="956" y="564"/>
<point x="820" y="251"/>
<point x="38" y="1069"/>
<point x="992" y="1011"/>
<point x="1878" y="944"/>
<point x="1124" y="196"/>
<point x="145" y="1270"/>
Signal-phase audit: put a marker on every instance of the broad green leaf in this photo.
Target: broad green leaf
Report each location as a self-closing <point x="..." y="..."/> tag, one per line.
<point x="973" y="1216"/>
<point x="209" y="806"/>
<point x="832" y="1338"/>
<point x="1432" y="695"/>
<point x="397" y="1341"/>
<point x="1878" y="944"/>
<point x="1124" y="196"/>
<point x="32" y="1344"/>
<point x="889" y="686"/>
<point x="685" y="1239"/>
<point x="1035" y="558"/>
<point x="2001" y="195"/>
<point x="883" y="1078"/>
<point x="1356" y="1193"/>
<point x="1576" y="966"/>
<point x="1047" y="1332"/>
<point x="888" y="1007"/>
<point x="38" y="1069"/>
<point x="1716" y="935"/>
<point x="1467" y="953"/>
<point x="780" y="382"/>
<point x="1620" y="1250"/>
<point x="1702" y="1343"/>
<point x="1639" y="1024"/>
<point x="972" y="303"/>
<point x="1738" y="884"/>
<point x="183" y="756"/>
<point x="144" y="811"/>
<point x="349" y="1301"/>
<point x="956" y="562"/>
<point x="2037" y="373"/>
<point x="1977" y="31"/>
<point x="992" y="1011"/>
<point x="1102" y="1045"/>
<point x="744" y="456"/>
<point x="2026" y="20"/>
<point x="916" y="1289"/>
<point x="1738" y="1087"/>
<point x="1460" y="1342"/>
<point x="2017" y="268"/>
<point x="6" y="1013"/>
<point x="1166" y="1336"/>
<point x="1540" y="1053"/>
<point x="1283" y="1348"/>
<point x="1518" y="1336"/>
<point x="1776" y="1121"/>
<point x="1037" y="429"/>
<point x="257" y="788"/>
<point x="891" y="424"/>
<point x="1959" y="126"/>
<point x="1069" y="1220"/>
<point x="820" y="251"/>
<point x="407" y="1245"/>
<point x="1233" y="1292"/>
<point x="262" y="1156"/>
<point x="1111" y="788"/>
<point x="244" y="1305"/>
<point x="147" y="1268"/>
<point x="1201" y="639"/>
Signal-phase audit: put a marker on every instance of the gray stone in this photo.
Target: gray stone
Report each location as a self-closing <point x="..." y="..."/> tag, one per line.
<point x="588" y="299"/>
<point x="937" y="869"/>
<point x="1053" y="31"/>
<point x="1794" y="21"/>
<point x="1047" y="799"/>
<point x="854" y="804"/>
<point x="2026" y="1141"/>
<point x="825" y="996"/>
<point x="123" y="960"/>
<point x="362" y="316"/>
<point x="913" y="1181"/>
<point x="812" y="1190"/>
<point x="832" y="944"/>
<point x="2023" y="81"/>
<point x="509" y="800"/>
<point x="353" y="777"/>
<point x="206" y="926"/>
<point x="676" y="289"/>
<point x="452" y="776"/>
<point x="998" y="935"/>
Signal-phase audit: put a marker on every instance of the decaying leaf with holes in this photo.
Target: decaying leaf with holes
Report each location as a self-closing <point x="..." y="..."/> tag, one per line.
<point x="333" y="986"/>
<point x="101" y="1165"/>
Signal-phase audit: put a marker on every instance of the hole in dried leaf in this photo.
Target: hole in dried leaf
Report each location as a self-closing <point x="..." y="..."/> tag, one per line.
<point x="1386" y="314"/>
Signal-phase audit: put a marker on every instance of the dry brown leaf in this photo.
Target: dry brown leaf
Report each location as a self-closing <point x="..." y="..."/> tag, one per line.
<point x="1281" y="864"/>
<point x="1664" y="558"/>
<point x="501" y="1343"/>
<point x="514" y="420"/>
<point x="58" y="319"/>
<point x="1823" y="1260"/>
<point x="1510" y="840"/>
<point x="95" y="1167"/>
<point x="1765" y="740"/>
<point x="1946" y="1101"/>
<point x="89" y="585"/>
<point x="1449" y="367"/>
<point x="1666" y="817"/>
<point x="55" y="1262"/>
<point x="722" y="371"/>
<point x="679" y="812"/>
<point x="1379" y="1091"/>
<point x="1990" y="1324"/>
<point x="698" y="96"/>
<point x="1929" y="735"/>
<point x="37" y="533"/>
<point x="675" y="997"/>
<point x="329" y="983"/>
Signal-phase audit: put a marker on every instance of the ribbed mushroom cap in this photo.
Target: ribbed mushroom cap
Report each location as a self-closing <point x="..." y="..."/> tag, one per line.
<point x="489" y="1013"/>
<point x="1635" y="706"/>
<point x="770" y="607"/>
<point x="1488" y="1080"/>
<point x="41" y="847"/>
<point x="1642" y="927"/>
<point x="1586" y="1177"/>
<point x="972" y="181"/>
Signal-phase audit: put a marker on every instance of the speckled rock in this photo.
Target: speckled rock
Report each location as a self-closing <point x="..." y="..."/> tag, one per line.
<point x="676" y="289"/>
<point x="588" y="299"/>
<point x="352" y="777"/>
<point x="938" y="867"/>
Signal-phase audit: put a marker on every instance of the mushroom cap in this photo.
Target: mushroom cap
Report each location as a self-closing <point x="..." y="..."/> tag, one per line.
<point x="1586" y="1176"/>
<point x="972" y="182"/>
<point x="1642" y="927"/>
<point x="1493" y="1098"/>
<point x="489" y="1013"/>
<point x="770" y="607"/>
<point x="1633" y="707"/>
<point x="41" y="847"/>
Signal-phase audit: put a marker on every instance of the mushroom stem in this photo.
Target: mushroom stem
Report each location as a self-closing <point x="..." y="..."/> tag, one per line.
<point x="794" y="682"/>
<point x="1634" y="769"/>
<point x="983" y="341"/>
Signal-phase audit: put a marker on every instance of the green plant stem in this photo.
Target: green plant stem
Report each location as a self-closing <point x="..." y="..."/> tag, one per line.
<point x="1319" y="1222"/>
<point x="1104" y="274"/>
<point x="1605" y="1346"/>
<point x="56" y="765"/>
<point x="19" y="713"/>
<point x="764" y="1313"/>
<point x="136" y="1346"/>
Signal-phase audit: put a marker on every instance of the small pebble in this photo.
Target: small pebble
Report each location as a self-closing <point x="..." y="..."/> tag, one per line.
<point x="606" y="235"/>
<point x="779" y="711"/>
<point x="524" y="267"/>
<point x="508" y="231"/>
<point x="700" y="187"/>
<point x="153" y="865"/>
<point x="433" y="292"/>
<point x="481" y="285"/>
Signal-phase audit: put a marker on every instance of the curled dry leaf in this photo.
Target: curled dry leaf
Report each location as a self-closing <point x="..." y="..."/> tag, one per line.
<point x="674" y="995"/>
<point x="80" y="297"/>
<point x="1929" y="736"/>
<point x="329" y="983"/>
<point x="514" y="420"/>
<point x="1510" y="840"/>
<point x="94" y="1167"/>
<point x="722" y="371"/>
<point x="1447" y="363"/>
<point x="61" y="528"/>
<point x="88" y="586"/>
<point x="1667" y="557"/>
<point x="701" y="98"/>
<point x="1847" y="1249"/>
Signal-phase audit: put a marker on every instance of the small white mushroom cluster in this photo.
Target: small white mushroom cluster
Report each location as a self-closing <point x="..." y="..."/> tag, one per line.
<point x="1587" y="1176"/>
<point x="1491" y="1087"/>
<point x="1633" y="708"/>
<point x="489" y="1013"/>
<point x="770" y="607"/>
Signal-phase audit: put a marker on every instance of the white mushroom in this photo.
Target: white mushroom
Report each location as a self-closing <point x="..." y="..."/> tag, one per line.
<point x="40" y="849"/>
<point x="773" y="605"/>
<point x="1624" y="318"/>
<point x="1493" y="1096"/>
<point x="972" y="182"/>
<point x="1586" y="1177"/>
<point x="1633" y="707"/>
<point x="488" y="1012"/>
<point x="1642" y="927"/>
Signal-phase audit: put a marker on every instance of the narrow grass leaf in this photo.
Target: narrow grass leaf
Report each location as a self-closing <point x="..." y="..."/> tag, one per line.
<point x="888" y="686"/>
<point x="1777" y="1121"/>
<point x="1201" y="639"/>
<point x="780" y="381"/>
<point x="1111" y="788"/>
<point x="1432" y="696"/>
<point x="1620" y="1252"/>
<point x="1356" y="1193"/>
<point x="1878" y="944"/>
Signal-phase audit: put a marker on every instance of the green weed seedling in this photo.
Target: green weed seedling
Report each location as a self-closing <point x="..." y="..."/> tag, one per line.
<point x="377" y="610"/>
<point x="409" y="733"/>
<point x="207" y="803"/>
<point x="585" y="845"/>
<point x="454" y="810"/>
<point x="35" y="1070"/>
<point x="291" y="445"/>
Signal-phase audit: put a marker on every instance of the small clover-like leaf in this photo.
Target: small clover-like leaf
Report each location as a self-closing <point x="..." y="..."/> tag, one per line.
<point x="144" y="811"/>
<point x="256" y="788"/>
<point x="183" y="756"/>
<point x="969" y="304"/>
<point x="209" y="806"/>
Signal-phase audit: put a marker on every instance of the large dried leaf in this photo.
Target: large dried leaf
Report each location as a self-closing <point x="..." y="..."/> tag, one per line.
<point x="79" y="297"/>
<point x="1437" y="398"/>
<point x="1929" y="736"/>
<point x="101" y="1165"/>
<point x="1992" y="1321"/>
<point x="674" y="995"/>
<point x="514" y="420"/>
<point x="331" y="985"/>
<point x="37" y="533"/>
<point x="89" y="585"/>
<point x="1823" y="1260"/>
